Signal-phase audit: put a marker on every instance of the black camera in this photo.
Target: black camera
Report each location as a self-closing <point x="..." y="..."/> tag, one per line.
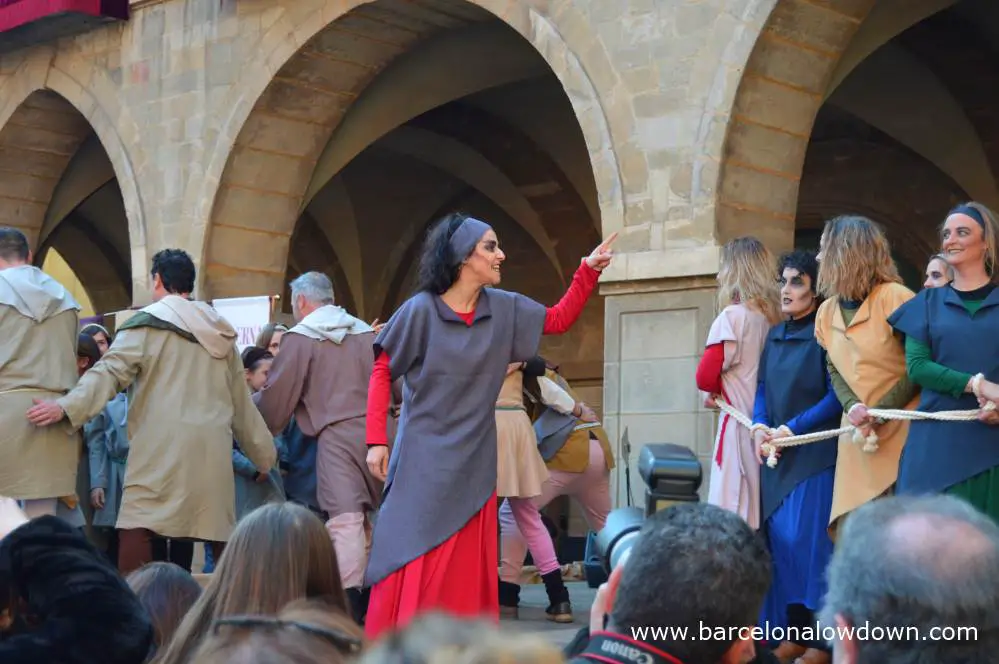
<point x="672" y="475"/>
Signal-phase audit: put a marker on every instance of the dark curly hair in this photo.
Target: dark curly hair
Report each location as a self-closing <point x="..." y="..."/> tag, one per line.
<point x="436" y="273"/>
<point x="176" y="270"/>
<point x="802" y="261"/>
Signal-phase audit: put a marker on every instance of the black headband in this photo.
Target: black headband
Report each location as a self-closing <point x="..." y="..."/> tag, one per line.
<point x="969" y="211"/>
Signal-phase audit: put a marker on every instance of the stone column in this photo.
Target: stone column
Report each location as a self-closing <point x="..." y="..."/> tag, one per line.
<point x="654" y="338"/>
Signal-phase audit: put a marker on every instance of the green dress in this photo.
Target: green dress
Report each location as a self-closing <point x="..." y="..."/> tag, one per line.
<point x="982" y="490"/>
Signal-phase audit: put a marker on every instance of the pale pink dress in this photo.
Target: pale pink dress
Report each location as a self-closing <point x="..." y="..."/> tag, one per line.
<point x="735" y="468"/>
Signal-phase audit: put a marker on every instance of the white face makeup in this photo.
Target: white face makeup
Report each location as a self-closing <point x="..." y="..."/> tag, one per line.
<point x="796" y="296"/>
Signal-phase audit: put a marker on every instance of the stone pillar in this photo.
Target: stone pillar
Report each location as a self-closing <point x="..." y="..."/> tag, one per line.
<point x="654" y="337"/>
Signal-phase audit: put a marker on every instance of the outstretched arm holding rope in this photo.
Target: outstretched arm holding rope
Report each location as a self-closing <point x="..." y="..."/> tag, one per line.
<point x="934" y="376"/>
<point x="805" y="421"/>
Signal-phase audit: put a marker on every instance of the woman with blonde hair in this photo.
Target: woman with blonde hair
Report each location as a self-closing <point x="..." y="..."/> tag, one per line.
<point x="952" y="353"/>
<point x="277" y="554"/>
<point x="749" y="297"/>
<point x="860" y="282"/>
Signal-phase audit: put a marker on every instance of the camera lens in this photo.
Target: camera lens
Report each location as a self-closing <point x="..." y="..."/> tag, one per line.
<point x="618" y="535"/>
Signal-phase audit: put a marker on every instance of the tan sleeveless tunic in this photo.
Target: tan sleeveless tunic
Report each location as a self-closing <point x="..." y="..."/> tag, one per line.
<point x="520" y="470"/>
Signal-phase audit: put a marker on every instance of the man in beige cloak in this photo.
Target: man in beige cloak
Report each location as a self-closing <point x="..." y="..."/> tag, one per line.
<point x="38" y="321"/>
<point x="187" y="400"/>
<point x="321" y="376"/>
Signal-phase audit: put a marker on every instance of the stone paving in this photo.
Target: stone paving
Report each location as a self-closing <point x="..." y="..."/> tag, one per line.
<point x="532" y="619"/>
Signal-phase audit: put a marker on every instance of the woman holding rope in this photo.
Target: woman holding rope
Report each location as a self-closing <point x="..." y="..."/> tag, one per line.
<point x="866" y="361"/>
<point x="795" y="396"/>
<point x="747" y="292"/>
<point x="952" y="352"/>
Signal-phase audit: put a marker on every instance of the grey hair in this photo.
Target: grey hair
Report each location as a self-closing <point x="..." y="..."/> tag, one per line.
<point x="315" y="287"/>
<point x="915" y="563"/>
<point x="694" y="565"/>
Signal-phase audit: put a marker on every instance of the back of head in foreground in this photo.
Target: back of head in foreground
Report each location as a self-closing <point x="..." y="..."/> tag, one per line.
<point x="915" y="564"/>
<point x="277" y="554"/>
<point x="304" y="632"/>
<point x="696" y="567"/>
<point x="443" y="639"/>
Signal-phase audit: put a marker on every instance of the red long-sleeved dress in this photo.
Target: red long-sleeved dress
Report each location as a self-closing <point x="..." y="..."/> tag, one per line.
<point x="459" y="576"/>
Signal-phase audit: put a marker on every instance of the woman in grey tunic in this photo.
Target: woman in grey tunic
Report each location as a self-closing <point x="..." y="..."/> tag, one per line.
<point x="434" y="544"/>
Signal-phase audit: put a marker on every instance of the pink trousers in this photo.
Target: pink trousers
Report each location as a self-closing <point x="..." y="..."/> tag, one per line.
<point x="591" y="489"/>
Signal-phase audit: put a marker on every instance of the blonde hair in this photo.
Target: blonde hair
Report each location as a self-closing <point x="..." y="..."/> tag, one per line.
<point x="278" y="553"/>
<point x="990" y="235"/>
<point x="748" y="275"/>
<point x="438" y="639"/>
<point x="856" y="257"/>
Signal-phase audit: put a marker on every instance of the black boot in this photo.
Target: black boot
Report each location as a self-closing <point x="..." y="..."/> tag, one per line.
<point x="559" y="609"/>
<point x="358" y="599"/>
<point x="509" y="599"/>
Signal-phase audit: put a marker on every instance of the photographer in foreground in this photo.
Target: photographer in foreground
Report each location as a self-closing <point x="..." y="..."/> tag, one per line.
<point x="694" y="566"/>
<point x="60" y="601"/>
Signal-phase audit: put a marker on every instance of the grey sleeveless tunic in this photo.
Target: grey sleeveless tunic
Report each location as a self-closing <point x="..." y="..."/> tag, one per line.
<point x="443" y="464"/>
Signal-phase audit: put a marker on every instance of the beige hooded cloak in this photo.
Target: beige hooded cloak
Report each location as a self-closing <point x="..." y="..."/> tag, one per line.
<point x="188" y="398"/>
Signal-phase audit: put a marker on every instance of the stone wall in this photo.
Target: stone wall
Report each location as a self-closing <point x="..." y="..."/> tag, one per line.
<point x="233" y="129"/>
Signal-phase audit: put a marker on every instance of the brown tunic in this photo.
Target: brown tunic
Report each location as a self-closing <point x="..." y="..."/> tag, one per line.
<point x="325" y="385"/>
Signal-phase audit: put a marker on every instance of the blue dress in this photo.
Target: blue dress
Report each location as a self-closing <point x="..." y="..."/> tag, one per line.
<point x="795" y="390"/>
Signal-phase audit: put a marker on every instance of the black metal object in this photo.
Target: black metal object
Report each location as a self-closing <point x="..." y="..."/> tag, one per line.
<point x="672" y="475"/>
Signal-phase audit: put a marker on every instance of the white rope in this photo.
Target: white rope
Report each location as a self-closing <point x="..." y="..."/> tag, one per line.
<point x="870" y="442"/>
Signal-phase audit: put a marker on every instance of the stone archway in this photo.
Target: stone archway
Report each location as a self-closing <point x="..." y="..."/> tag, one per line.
<point x="773" y="107"/>
<point x="46" y="115"/>
<point x="364" y="38"/>
<point x="806" y="55"/>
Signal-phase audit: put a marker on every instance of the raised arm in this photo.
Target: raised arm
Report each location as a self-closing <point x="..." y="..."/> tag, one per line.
<point x="562" y="316"/>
